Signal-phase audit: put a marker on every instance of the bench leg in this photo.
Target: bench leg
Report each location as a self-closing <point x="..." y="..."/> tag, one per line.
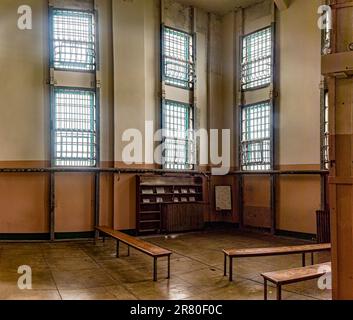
<point x="168" y="267"/>
<point x="103" y="239"/>
<point x="312" y="259"/>
<point x="230" y="269"/>
<point x="128" y="251"/>
<point x="279" y="292"/>
<point x="96" y="237"/>
<point x="117" y="249"/>
<point x="154" y="269"/>
<point x="303" y="260"/>
<point x="225" y="265"/>
<point x="265" y="289"/>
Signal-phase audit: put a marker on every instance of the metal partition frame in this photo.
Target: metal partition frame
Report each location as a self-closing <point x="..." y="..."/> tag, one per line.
<point x="95" y="86"/>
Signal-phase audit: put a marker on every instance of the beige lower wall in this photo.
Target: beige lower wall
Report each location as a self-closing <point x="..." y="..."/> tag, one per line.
<point x="74" y="202"/>
<point x="256" y="202"/>
<point x="124" y="202"/>
<point x="24" y="201"/>
<point x="298" y="200"/>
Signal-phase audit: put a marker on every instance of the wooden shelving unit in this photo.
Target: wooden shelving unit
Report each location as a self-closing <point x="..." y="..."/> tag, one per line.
<point x="154" y="193"/>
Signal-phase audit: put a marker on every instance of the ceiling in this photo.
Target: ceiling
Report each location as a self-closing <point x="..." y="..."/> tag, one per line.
<point x="219" y="6"/>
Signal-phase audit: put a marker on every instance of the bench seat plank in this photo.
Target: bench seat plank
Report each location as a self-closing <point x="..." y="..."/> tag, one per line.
<point x="296" y="275"/>
<point x="272" y="251"/>
<point x="283" y="277"/>
<point x="141" y="245"/>
<point x="258" y="252"/>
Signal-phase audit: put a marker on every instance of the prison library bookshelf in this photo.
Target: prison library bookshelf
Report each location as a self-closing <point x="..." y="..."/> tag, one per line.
<point x="161" y="198"/>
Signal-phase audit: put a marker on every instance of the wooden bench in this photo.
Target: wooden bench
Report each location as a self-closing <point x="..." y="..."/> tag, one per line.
<point x="275" y="251"/>
<point x="284" y="277"/>
<point x="138" y="244"/>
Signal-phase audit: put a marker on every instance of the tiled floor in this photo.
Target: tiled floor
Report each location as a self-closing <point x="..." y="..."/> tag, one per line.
<point x="81" y="270"/>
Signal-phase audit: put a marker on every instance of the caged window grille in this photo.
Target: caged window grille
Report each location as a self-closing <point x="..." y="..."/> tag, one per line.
<point x="178" y="136"/>
<point x="256" y="137"/>
<point x="178" y="58"/>
<point x="73" y="43"/>
<point x="257" y="59"/>
<point x="74" y="128"/>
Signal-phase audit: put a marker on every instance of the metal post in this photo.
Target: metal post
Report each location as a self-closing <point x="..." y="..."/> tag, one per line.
<point x="96" y="200"/>
<point x="97" y="85"/>
<point x="274" y="121"/>
<point x="241" y="201"/>
<point x="52" y="207"/>
<point x="273" y="204"/>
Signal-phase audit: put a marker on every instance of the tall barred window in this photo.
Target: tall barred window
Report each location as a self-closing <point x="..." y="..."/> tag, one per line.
<point x="178" y="58"/>
<point x="257" y="58"/>
<point x="73" y="40"/>
<point x="74" y="127"/>
<point x="178" y="136"/>
<point x="256" y="137"/>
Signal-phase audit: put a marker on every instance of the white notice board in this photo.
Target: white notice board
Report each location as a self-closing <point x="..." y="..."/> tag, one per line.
<point x="223" y="196"/>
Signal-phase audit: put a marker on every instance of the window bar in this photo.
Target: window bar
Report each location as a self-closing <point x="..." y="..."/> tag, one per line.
<point x="51" y="196"/>
<point x="273" y="121"/>
<point x="97" y="177"/>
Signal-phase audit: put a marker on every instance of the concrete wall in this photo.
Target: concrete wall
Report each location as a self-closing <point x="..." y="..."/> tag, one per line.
<point x="130" y="95"/>
<point x="24" y="135"/>
<point x="299" y="41"/>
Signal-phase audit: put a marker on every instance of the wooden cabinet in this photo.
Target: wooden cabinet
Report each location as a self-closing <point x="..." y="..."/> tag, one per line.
<point x="160" y="200"/>
<point x="183" y="217"/>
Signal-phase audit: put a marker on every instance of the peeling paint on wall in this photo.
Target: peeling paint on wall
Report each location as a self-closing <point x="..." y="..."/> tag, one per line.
<point x="177" y="15"/>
